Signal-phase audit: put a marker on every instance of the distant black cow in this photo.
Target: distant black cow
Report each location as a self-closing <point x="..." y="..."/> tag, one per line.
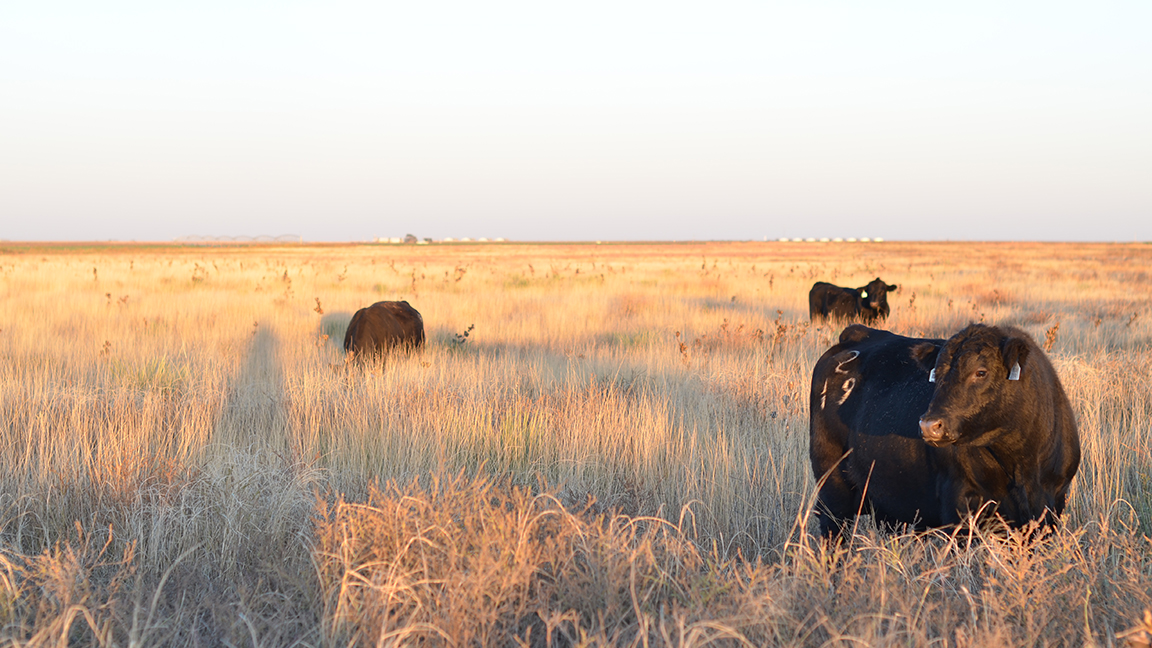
<point x="867" y="303"/>
<point x="382" y="327"/>
<point x="926" y="432"/>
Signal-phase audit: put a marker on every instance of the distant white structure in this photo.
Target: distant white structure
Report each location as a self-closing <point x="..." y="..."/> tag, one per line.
<point x="827" y="240"/>
<point x="466" y="240"/>
<point x="499" y="239"/>
<point x="482" y="239"/>
<point x="447" y="239"/>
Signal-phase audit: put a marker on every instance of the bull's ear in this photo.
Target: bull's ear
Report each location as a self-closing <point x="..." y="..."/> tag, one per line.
<point x="925" y="355"/>
<point x="1014" y="350"/>
<point x="892" y="287"/>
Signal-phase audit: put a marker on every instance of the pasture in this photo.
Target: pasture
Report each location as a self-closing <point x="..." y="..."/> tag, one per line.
<point x="600" y="445"/>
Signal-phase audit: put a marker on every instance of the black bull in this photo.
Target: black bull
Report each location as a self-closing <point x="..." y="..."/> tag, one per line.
<point x="867" y="303"/>
<point x="926" y="432"/>
<point x="382" y="327"/>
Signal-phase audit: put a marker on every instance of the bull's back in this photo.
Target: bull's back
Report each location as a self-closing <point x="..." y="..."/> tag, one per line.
<point x="408" y="325"/>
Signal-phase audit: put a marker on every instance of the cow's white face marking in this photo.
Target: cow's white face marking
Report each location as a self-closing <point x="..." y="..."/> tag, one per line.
<point x="848" y="385"/>
<point x="1015" y="373"/>
<point x="852" y="355"/>
<point x="932" y="375"/>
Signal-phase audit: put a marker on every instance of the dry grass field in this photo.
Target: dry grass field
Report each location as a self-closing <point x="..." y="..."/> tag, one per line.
<point x="601" y="445"/>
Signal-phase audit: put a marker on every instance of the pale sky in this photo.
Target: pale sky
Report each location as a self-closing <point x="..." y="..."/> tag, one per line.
<point x="576" y="121"/>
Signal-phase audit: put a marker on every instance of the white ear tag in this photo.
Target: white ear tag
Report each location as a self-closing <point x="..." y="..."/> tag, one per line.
<point x="932" y="376"/>
<point x="864" y="294"/>
<point x="1015" y="373"/>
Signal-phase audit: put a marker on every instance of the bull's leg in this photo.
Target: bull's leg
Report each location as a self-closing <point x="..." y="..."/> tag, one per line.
<point x="838" y="501"/>
<point x="835" y="509"/>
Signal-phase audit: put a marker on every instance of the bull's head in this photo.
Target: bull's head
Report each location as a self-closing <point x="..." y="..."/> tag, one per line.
<point x="973" y="373"/>
<point x="875" y="295"/>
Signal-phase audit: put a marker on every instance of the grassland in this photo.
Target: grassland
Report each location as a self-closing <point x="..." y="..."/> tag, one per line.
<point x="614" y="454"/>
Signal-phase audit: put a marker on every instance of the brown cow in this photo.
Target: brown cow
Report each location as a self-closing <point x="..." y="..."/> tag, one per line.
<point x="382" y="327"/>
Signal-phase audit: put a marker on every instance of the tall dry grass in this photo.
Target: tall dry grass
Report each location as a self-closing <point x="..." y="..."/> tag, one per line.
<point x="615" y="454"/>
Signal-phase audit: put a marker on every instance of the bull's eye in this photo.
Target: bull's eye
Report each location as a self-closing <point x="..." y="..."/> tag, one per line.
<point x="981" y="373"/>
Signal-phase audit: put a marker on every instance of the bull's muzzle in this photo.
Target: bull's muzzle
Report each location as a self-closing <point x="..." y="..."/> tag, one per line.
<point x="933" y="432"/>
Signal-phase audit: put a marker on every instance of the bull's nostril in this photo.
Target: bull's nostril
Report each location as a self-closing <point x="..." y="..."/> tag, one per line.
<point x="933" y="429"/>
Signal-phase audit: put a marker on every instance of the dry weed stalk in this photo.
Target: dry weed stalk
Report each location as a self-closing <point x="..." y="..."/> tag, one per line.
<point x="1050" y="337"/>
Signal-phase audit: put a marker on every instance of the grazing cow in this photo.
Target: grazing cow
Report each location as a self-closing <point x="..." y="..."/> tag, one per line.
<point x="868" y="303"/>
<point x="926" y="432"/>
<point x="384" y="326"/>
